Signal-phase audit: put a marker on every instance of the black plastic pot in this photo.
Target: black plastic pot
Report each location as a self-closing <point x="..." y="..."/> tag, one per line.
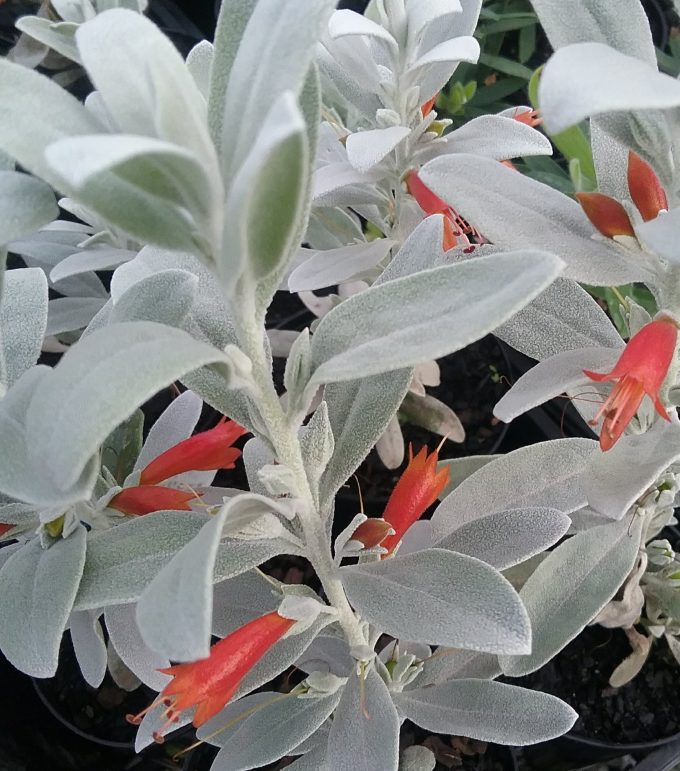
<point x="590" y="751"/>
<point x="658" y="22"/>
<point x="108" y="743"/>
<point x="94" y="714"/>
<point x="665" y="758"/>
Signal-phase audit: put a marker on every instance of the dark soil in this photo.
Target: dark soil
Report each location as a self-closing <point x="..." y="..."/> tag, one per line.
<point x="455" y="752"/>
<point x="644" y="710"/>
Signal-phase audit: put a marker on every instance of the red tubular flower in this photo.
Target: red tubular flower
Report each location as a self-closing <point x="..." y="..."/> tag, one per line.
<point x="209" y="683"/>
<point x="607" y="214"/>
<point x="645" y="188"/>
<point x="433" y="204"/>
<point x="418" y="487"/>
<point x="148" y="498"/>
<point x="640" y="370"/>
<point x="207" y="451"/>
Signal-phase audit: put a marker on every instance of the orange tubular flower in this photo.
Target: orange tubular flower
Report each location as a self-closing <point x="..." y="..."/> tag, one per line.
<point x="646" y="192"/>
<point x="147" y="498"/>
<point x="645" y="188"/>
<point x="640" y="370"/>
<point x="607" y="214"/>
<point x="209" y="683"/>
<point x="529" y="117"/>
<point x="433" y="204"/>
<point x="426" y="108"/>
<point x="417" y="489"/>
<point x="207" y="451"/>
<point x="372" y="532"/>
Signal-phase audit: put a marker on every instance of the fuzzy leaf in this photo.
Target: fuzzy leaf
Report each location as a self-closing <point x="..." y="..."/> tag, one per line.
<point x="165" y="298"/>
<point x="266" y="198"/>
<point x="23" y="320"/>
<point x="614" y="480"/>
<point x="271" y="725"/>
<point x="39" y="586"/>
<point x="427" y="315"/>
<point x="554" y="376"/>
<point x="365" y="730"/>
<point x="123" y="560"/>
<point x="99" y="383"/>
<point x="366" y="149"/>
<point x="587" y="79"/>
<point x="358" y="412"/>
<point x="25" y="94"/>
<point x="417" y="758"/>
<point x="231" y="24"/>
<point x="562" y="318"/>
<point x="122" y="447"/>
<point x="487" y="711"/>
<point x="317" y="445"/>
<point x="89" y="646"/>
<point x="26" y="204"/>
<point x="274" y="55"/>
<point x="241" y="599"/>
<point x="346" y="23"/>
<point x="199" y="63"/>
<point x="333" y="266"/>
<point x="506" y="538"/>
<point x="116" y="175"/>
<point x="20" y="478"/>
<point x="457" y="664"/>
<point x="493" y="136"/>
<point x="127" y="640"/>
<point x="59" y="36"/>
<point x="68" y="314"/>
<point x="467" y="603"/>
<point x="119" y="45"/>
<point x="514" y="211"/>
<point x="175" y="424"/>
<point x="660" y="235"/>
<point x="571" y="586"/>
<point x="546" y="474"/>
<point x="175" y="610"/>
<point x="602" y="22"/>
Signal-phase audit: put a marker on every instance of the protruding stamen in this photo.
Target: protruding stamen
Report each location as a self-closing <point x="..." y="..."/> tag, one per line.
<point x="171" y="718"/>
<point x="137" y="719"/>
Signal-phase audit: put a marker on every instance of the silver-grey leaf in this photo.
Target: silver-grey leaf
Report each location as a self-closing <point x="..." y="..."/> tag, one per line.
<point x="39" y="587"/>
<point x="488" y="711"/>
<point x="440" y="598"/>
<point x="365" y="730"/>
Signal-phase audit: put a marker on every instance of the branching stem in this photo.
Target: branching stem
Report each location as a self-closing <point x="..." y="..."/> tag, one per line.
<point x="284" y="438"/>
